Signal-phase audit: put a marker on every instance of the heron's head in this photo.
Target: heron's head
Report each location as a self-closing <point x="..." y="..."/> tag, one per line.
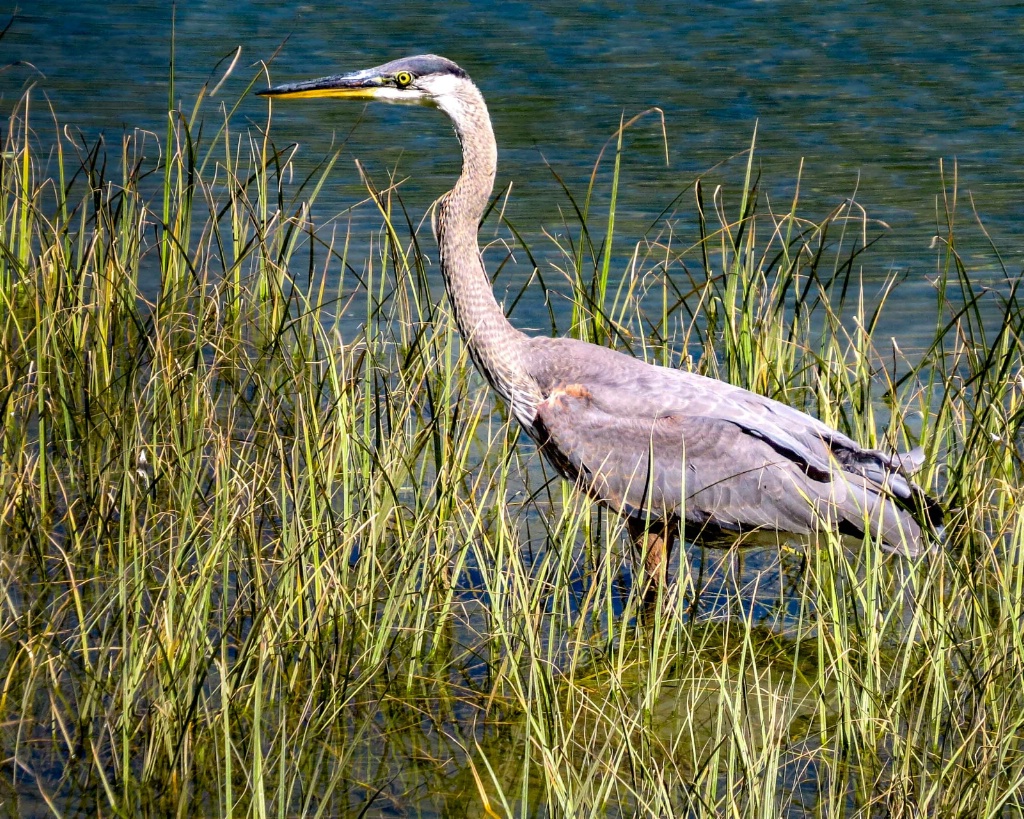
<point x="425" y="80"/>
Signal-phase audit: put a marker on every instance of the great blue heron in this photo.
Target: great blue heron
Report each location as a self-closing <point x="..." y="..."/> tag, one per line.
<point x="658" y="445"/>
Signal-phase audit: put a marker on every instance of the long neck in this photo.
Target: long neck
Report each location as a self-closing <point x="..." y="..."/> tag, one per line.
<point x="496" y="346"/>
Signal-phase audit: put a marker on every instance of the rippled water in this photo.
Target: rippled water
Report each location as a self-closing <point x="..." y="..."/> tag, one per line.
<point x="870" y="96"/>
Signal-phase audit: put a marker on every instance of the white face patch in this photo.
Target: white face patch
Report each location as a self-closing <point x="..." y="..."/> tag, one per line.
<point x="440" y="85"/>
<point x="435" y="90"/>
<point x="449" y="93"/>
<point x="409" y="96"/>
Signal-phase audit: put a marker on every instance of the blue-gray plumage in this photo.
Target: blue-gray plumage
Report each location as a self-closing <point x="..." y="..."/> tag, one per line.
<point x="658" y="445"/>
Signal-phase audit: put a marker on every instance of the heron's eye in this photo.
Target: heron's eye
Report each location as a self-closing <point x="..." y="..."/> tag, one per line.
<point x="403" y="78"/>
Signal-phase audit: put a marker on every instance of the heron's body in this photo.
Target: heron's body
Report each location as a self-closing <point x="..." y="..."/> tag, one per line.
<point x="660" y="446"/>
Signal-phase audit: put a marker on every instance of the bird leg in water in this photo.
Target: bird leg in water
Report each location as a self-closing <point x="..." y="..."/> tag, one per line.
<point x="653" y="541"/>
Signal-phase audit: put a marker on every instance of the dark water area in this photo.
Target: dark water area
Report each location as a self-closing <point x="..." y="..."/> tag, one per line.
<point x="869" y="97"/>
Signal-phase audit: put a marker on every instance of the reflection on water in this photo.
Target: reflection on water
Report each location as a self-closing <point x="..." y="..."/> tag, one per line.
<point x="750" y="681"/>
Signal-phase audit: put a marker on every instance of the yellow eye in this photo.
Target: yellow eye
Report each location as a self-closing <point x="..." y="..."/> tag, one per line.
<point x="403" y="78"/>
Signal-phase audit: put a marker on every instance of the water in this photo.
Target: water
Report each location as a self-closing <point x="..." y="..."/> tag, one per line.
<point x="870" y="96"/>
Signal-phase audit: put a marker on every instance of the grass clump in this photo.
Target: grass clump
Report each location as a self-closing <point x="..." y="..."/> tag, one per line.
<point x="259" y="559"/>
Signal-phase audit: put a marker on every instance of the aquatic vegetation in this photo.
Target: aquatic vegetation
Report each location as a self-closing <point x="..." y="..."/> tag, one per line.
<point x="259" y="556"/>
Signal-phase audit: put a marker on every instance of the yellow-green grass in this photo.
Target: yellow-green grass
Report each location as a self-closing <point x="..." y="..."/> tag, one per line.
<point x="257" y="558"/>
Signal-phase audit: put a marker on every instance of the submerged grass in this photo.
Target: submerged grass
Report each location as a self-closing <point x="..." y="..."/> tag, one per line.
<point x="255" y="562"/>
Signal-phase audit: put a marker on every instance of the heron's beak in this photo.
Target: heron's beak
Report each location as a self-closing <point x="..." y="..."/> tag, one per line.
<point x="360" y="85"/>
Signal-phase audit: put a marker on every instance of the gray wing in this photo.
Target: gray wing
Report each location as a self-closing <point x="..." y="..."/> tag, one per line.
<point x="722" y="456"/>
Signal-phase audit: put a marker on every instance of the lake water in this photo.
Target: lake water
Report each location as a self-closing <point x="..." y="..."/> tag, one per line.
<point x="870" y="96"/>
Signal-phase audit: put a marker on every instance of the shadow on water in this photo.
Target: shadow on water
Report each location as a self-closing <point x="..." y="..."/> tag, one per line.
<point x="747" y="683"/>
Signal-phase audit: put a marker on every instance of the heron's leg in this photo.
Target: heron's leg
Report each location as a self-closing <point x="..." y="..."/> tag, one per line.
<point x="653" y="541"/>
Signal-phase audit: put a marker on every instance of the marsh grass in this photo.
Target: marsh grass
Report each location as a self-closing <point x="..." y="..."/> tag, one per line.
<point x="257" y="558"/>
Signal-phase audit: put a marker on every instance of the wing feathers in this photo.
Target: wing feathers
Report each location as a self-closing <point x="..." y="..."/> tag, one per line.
<point x="727" y="473"/>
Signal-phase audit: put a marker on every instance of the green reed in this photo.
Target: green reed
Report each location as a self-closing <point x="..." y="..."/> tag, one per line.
<point x="255" y="561"/>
